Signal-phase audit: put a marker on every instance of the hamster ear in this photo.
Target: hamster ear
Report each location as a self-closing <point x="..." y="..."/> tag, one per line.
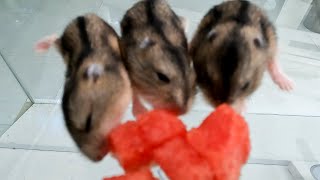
<point x="44" y="44"/>
<point x="211" y="34"/>
<point x="146" y="43"/>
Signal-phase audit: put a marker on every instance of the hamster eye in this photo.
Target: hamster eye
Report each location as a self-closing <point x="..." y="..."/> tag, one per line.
<point x="257" y="42"/>
<point x="245" y="86"/>
<point x="88" y="123"/>
<point x="163" y="77"/>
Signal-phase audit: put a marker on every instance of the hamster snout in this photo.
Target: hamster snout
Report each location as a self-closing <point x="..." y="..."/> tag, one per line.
<point x="156" y="57"/>
<point x="93" y="103"/>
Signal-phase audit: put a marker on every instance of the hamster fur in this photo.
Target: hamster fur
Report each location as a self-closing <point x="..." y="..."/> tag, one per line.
<point x="156" y="57"/>
<point x="97" y="88"/>
<point x="233" y="46"/>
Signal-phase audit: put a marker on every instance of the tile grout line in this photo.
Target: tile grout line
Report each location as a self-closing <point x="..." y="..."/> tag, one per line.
<point x="25" y="156"/>
<point x="58" y="149"/>
<point x="266" y="114"/>
<point x="290" y="115"/>
<point x="28" y="147"/>
<point x="314" y="60"/>
<point x="17" y="79"/>
<point x="314" y="42"/>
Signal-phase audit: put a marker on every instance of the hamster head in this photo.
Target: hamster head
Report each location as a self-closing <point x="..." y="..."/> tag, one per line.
<point x="163" y="75"/>
<point x="234" y="49"/>
<point x="93" y="103"/>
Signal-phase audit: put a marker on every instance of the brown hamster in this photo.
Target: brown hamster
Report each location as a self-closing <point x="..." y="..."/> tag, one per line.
<point x="233" y="46"/>
<point x="156" y="57"/>
<point x="97" y="89"/>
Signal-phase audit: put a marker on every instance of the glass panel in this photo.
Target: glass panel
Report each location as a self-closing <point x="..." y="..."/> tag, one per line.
<point x="13" y="100"/>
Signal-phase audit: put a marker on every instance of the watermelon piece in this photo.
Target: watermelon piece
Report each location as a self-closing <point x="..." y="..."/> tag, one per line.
<point x="222" y="139"/>
<point x="159" y="126"/>
<point x="180" y="162"/>
<point x="129" y="147"/>
<point x="143" y="174"/>
<point x="132" y="142"/>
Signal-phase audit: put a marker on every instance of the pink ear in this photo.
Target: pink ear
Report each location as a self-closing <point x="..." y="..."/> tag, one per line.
<point x="45" y="43"/>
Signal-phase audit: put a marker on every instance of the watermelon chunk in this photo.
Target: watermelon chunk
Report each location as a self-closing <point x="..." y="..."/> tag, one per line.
<point x="180" y="162"/>
<point x="132" y="142"/>
<point x="222" y="139"/>
<point x="159" y="126"/>
<point x="128" y="146"/>
<point x="143" y="174"/>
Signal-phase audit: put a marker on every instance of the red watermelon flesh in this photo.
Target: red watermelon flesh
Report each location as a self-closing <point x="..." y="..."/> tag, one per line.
<point x="180" y="162"/>
<point x="128" y="146"/>
<point x="223" y="139"/>
<point x="143" y="174"/>
<point x="159" y="126"/>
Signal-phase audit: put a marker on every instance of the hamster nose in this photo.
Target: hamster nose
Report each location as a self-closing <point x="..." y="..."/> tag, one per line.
<point x="183" y="110"/>
<point x="104" y="150"/>
<point x="178" y="110"/>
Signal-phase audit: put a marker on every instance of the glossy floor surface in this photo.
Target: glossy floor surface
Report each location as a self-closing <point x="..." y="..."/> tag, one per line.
<point x="284" y="126"/>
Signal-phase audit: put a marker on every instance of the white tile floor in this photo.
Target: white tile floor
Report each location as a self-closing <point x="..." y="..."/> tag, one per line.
<point x="47" y="140"/>
<point x="284" y="126"/>
<point x="44" y="70"/>
<point x="3" y="128"/>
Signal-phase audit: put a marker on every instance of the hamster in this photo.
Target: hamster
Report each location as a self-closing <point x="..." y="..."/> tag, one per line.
<point x="231" y="49"/>
<point x="97" y="88"/>
<point x="156" y="57"/>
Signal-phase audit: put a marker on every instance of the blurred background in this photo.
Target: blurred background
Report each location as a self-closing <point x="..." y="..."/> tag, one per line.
<point x="34" y="144"/>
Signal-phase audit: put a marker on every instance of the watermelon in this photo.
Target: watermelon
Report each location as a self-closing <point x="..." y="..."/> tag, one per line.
<point x="222" y="139"/>
<point x="159" y="126"/>
<point x="142" y="174"/>
<point x="180" y="162"/>
<point x="129" y="147"/>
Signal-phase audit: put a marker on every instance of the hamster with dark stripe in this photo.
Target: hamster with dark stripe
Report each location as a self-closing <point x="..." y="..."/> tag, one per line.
<point x="97" y="88"/>
<point x="233" y="46"/>
<point x="156" y="57"/>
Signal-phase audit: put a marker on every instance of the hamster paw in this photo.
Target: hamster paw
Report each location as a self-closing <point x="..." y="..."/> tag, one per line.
<point x="283" y="81"/>
<point x="279" y="77"/>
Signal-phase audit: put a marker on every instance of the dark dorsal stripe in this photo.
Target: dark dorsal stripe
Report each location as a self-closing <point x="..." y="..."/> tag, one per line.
<point x="215" y="16"/>
<point x="85" y="43"/>
<point x="157" y="25"/>
<point x="264" y="27"/>
<point x="68" y="89"/>
<point x="126" y="25"/>
<point x="69" y="70"/>
<point x="229" y="61"/>
<point x="105" y="36"/>
<point x="66" y="47"/>
<point x="154" y="21"/>
<point x="243" y="17"/>
<point x="177" y="21"/>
